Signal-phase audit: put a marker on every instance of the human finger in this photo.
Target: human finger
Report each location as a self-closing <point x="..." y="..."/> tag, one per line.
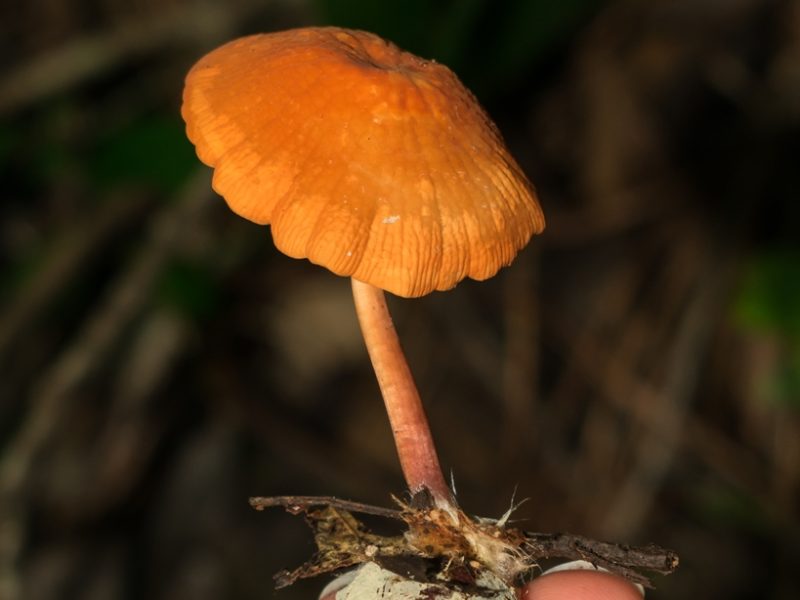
<point x="575" y="581"/>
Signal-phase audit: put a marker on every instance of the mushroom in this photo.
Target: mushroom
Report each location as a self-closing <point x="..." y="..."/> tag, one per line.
<point x="374" y="163"/>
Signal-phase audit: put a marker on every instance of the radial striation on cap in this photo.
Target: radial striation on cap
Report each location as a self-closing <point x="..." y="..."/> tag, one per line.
<point x="363" y="158"/>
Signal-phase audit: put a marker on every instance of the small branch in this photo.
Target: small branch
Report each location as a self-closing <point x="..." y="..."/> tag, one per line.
<point x="617" y="558"/>
<point x="297" y="504"/>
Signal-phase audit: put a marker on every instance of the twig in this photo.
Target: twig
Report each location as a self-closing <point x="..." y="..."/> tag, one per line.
<point x="619" y="558"/>
<point x="298" y="504"/>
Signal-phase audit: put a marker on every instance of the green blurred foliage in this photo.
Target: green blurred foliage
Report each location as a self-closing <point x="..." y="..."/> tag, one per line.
<point x="769" y="299"/>
<point x="768" y="303"/>
<point x="55" y="152"/>
<point x="152" y="150"/>
<point x="490" y="44"/>
<point x="188" y="288"/>
<point x="729" y="508"/>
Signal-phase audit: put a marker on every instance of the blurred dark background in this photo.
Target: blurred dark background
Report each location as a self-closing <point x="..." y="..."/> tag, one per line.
<point x="635" y="373"/>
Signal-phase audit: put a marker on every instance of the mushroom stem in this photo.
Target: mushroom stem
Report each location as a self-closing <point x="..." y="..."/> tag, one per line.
<point x="412" y="435"/>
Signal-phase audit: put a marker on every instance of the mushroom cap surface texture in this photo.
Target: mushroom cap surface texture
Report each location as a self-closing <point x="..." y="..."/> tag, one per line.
<point x="361" y="157"/>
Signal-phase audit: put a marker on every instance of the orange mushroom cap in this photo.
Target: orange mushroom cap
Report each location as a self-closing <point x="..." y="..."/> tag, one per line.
<point x="363" y="158"/>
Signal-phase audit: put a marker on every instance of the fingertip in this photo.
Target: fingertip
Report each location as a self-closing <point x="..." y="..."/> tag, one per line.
<point x="580" y="585"/>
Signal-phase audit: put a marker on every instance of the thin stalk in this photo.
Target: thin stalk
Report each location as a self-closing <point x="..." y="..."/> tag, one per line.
<point x="412" y="435"/>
